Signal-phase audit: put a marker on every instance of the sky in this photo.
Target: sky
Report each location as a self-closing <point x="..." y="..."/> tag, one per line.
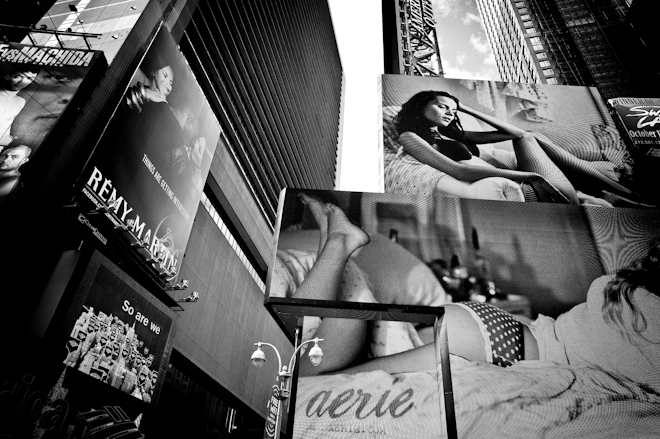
<point x="464" y="51"/>
<point x="464" y="47"/>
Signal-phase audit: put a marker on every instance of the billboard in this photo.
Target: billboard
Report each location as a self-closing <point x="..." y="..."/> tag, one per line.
<point x="504" y="141"/>
<point x="380" y="401"/>
<point x="639" y="119"/>
<point x="118" y="338"/>
<point x="101" y="367"/>
<point x="492" y="267"/>
<point x="150" y="165"/>
<point x="37" y="88"/>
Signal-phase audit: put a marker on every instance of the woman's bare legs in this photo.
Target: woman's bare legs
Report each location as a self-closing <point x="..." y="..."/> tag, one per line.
<point x="529" y="155"/>
<point x="343" y="338"/>
<point x="569" y="162"/>
<point x="532" y="158"/>
<point x="465" y="340"/>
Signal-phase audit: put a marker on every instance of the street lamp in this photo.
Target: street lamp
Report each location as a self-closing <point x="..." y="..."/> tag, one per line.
<point x="259" y="358"/>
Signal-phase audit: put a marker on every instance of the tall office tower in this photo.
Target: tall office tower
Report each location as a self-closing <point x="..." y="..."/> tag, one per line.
<point x="515" y="41"/>
<point x="601" y="34"/>
<point x="572" y="42"/>
<point x="413" y="48"/>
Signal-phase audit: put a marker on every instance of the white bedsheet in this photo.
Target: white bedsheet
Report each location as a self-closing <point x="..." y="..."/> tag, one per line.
<point x="532" y="399"/>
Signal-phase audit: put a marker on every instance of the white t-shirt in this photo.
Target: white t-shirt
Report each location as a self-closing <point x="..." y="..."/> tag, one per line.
<point x="582" y="336"/>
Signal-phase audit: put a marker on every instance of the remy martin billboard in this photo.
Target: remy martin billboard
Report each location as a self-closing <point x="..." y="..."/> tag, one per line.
<point x="150" y="166"/>
<point x="492" y="266"/>
<point x="504" y="141"/>
<point x="37" y="88"/>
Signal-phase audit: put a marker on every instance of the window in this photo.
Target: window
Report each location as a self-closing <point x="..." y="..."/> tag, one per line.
<point x="548" y="72"/>
<point x="528" y="23"/>
<point x="530" y="30"/>
<point x="545" y="63"/>
<point x="535" y="40"/>
<point x="541" y="55"/>
<point x="536" y="47"/>
<point x="520" y="4"/>
<point x="552" y="81"/>
<point x="523" y="10"/>
<point x="525" y="17"/>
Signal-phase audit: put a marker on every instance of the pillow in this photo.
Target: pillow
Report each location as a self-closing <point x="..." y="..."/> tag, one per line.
<point x="394" y="274"/>
<point x="397" y="276"/>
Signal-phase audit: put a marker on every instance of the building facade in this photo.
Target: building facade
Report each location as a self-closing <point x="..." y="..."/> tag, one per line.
<point x="277" y="115"/>
<point x="514" y="41"/>
<point x="570" y="42"/>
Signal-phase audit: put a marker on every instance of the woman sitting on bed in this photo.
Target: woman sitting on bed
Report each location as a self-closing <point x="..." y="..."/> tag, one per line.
<point x="617" y="329"/>
<point x="430" y="130"/>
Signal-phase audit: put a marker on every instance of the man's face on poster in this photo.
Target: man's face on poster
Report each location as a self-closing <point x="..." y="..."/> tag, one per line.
<point x="52" y="92"/>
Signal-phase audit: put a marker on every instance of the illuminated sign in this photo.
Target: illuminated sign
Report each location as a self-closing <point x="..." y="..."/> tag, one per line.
<point x="119" y="337"/>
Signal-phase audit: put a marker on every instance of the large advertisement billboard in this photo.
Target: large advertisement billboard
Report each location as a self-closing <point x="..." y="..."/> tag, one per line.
<point x="504" y="141"/>
<point x="119" y="338"/>
<point x="150" y="165"/>
<point x="37" y="87"/>
<point x="517" y="281"/>
<point x="99" y="370"/>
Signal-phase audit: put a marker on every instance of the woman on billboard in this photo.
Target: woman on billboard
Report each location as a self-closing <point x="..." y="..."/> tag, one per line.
<point x="621" y="316"/>
<point x="173" y="145"/>
<point x="429" y="129"/>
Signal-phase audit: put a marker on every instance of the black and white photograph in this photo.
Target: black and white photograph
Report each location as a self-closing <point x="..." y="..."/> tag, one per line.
<point x="545" y="309"/>
<point x="505" y="141"/>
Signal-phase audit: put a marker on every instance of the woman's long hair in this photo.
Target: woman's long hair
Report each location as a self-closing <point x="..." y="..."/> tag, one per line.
<point x="644" y="273"/>
<point x="411" y="117"/>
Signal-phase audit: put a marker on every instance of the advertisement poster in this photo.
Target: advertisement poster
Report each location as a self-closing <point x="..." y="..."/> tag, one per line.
<point x="37" y="85"/>
<point x="494" y="266"/>
<point x="374" y="403"/>
<point x="504" y="141"/>
<point x="119" y="338"/>
<point x="639" y="119"/>
<point x="150" y="166"/>
<point x="100" y="370"/>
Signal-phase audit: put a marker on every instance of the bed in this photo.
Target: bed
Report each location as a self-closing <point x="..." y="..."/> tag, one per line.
<point x="532" y="399"/>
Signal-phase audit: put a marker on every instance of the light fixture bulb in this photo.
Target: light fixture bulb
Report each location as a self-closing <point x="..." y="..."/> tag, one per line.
<point x="315" y="354"/>
<point x="258" y="357"/>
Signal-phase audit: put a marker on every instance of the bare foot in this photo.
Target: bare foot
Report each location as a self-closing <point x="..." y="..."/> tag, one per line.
<point x="339" y="227"/>
<point x="318" y="212"/>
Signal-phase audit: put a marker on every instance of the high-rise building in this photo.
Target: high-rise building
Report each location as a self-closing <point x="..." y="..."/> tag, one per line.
<point x="272" y="81"/>
<point x="515" y="42"/>
<point x="571" y="42"/>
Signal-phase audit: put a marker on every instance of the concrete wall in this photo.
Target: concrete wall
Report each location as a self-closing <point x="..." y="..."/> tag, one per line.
<point x="217" y="332"/>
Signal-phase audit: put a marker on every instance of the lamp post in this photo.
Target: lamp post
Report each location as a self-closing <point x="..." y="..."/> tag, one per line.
<point x="259" y="358"/>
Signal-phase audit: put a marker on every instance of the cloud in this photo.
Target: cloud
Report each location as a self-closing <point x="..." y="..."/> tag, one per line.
<point x="471" y="17"/>
<point x="487" y="71"/>
<point x="490" y="60"/>
<point x="460" y="58"/>
<point x="445" y="8"/>
<point x="479" y="43"/>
